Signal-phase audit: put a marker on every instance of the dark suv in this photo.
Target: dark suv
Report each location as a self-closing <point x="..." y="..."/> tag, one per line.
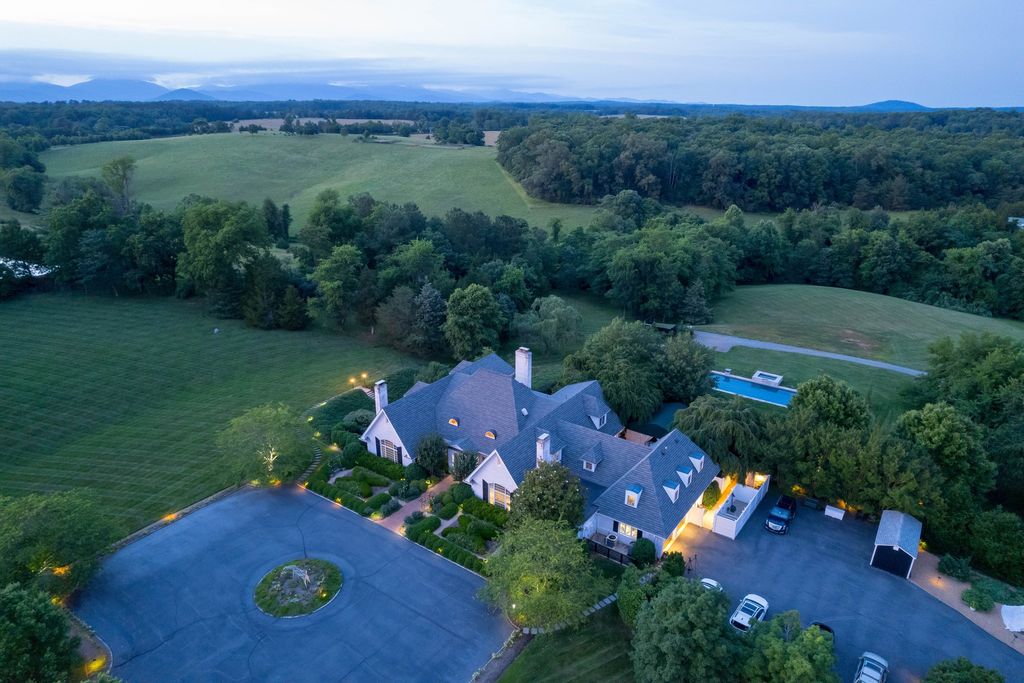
<point x="780" y="515"/>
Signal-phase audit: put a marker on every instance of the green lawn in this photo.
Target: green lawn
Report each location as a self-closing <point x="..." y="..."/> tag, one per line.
<point x="295" y="169"/>
<point x="597" y="651"/>
<point x="882" y="389"/>
<point x="847" y="321"/>
<point x="126" y="396"/>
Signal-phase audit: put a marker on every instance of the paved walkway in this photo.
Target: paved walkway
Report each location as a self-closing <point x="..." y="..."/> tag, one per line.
<point x="395" y="520"/>
<point x="724" y="342"/>
<point x="947" y="589"/>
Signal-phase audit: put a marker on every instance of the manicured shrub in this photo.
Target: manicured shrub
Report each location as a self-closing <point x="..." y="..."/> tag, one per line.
<point x="674" y="564"/>
<point x="351" y="453"/>
<point x="711" y="495"/>
<point x="484" y="530"/>
<point x="381" y="466"/>
<point x="390" y="507"/>
<point x="958" y="568"/>
<point x="372" y="478"/>
<point x="407" y="490"/>
<point x="414" y="518"/>
<point x="422" y="529"/>
<point x="453" y="552"/>
<point x="351" y="486"/>
<point x="461" y="492"/>
<point x="342" y="437"/>
<point x="978" y="599"/>
<point x="413" y="471"/>
<point x="489" y="513"/>
<point x="448" y="511"/>
<point x="643" y="552"/>
<point x="358" y="420"/>
<point x="376" y="501"/>
<point x="472" y="543"/>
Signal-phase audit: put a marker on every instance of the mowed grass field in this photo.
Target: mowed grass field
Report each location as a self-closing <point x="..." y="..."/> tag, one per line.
<point x="126" y="396"/>
<point x="847" y="321"/>
<point x="294" y="169"/>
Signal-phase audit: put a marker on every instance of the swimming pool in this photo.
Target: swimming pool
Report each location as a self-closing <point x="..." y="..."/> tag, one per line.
<point x="741" y="386"/>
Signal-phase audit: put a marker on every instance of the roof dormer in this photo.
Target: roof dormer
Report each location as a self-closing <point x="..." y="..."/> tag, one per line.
<point x="633" y="492"/>
<point x="685" y="473"/>
<point x="491" y="434"/>
<point x="672" y="489"/>
<point x="453" y="421"/>
<point x="698" y="461"/>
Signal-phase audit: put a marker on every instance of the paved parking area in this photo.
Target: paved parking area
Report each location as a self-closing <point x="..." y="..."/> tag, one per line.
<point x="821" y="569"/>
<point x="177" y="605"/>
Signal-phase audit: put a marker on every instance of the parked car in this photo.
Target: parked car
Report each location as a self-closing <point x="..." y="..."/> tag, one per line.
<point x="711" y="585"/>
<point x="775" y="524"/>
<point x="871" y="669"/>
<point x="826" y="628"/>
<point x="752" y="609"/>
<point x="785" y="507"/>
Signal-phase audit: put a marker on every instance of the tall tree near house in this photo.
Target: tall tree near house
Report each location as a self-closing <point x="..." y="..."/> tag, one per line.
<point x="395" y="318"/>
<point x="542" y="576"/>
<point x="432" y="454"/>
<point x="337" y="279"/>
<point x="465" y="463"/>
<point x="686" y="371"/>
<point x="118" y="174"/>
<point x="730" y="430"/>
<point x="549" y="491"/>
<point x="683" y="634"/>
<point x="429" y="312"/>
<point x="551" y="325"/>
<point x="472" y="321"/>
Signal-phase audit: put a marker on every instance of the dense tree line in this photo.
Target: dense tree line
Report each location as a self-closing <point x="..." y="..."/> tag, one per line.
<point x="22" y="175"/>
<point x="905" y="161"/>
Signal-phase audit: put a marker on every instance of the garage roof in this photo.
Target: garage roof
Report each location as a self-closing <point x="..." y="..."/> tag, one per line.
<point x="899" y="529"/>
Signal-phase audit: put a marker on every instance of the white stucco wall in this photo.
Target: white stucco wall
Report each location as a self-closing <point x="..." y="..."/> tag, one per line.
<point x="381" y="428"/>
<point x="493" y="471"/>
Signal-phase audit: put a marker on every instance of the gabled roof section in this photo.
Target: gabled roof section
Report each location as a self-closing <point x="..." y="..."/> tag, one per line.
<point x="900" y="530"/>
<point x="656" y="512"/>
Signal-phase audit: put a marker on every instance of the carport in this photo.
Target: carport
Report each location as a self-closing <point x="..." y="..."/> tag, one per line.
<point x="896" y="543"/>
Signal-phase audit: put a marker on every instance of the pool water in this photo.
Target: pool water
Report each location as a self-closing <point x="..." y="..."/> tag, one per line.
<point x="741" y="386"/>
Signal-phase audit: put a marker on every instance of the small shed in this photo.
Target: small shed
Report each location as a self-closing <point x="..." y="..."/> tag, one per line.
<point x="896" y="543"/>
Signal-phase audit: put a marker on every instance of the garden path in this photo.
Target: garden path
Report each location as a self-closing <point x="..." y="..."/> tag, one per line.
<point x="396" y="520"/>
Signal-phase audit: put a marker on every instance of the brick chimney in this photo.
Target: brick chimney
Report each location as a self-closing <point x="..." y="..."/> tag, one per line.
<point x="544" y="448"/>
<point x="380" y="395"/>
<point x="524" y="366"/>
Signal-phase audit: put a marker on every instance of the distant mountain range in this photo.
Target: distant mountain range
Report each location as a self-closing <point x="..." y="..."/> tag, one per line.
<point x="122" y="90"/>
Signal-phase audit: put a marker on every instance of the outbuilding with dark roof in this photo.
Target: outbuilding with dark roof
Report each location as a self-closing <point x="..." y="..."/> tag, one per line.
<point x="896" y="543"/>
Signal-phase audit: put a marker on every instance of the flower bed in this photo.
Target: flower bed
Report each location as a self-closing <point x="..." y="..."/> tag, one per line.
<point x="298" y="587"/>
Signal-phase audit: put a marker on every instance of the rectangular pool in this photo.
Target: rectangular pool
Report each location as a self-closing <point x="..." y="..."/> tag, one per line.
<point x="757" y="391"/>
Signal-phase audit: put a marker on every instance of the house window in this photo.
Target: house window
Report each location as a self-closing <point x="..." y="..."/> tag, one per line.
<point x="601" y="421"/>
<point x="389" y="450"/>
<point x="500" y="496"/>
<point x="627" y="530"/>
<point x="631" y="499"/>
<point x="490" y="434"/>
<point x="454" y="421"/>
<point x="588" y="466"/>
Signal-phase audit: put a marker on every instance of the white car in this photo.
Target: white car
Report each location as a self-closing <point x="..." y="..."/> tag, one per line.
<point x="751" y="610"/>
<point x="872" y="669"/>
<point x="711" y="585"/>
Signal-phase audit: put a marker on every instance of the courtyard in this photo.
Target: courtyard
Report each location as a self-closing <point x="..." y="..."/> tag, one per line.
<point x="177" y="605"/>
<point x="820" y="568"/>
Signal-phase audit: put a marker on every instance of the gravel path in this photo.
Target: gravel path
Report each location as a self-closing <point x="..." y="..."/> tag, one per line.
<point x="724" y="342"/>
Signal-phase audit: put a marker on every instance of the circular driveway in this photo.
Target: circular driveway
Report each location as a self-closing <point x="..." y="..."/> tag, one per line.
<point x="177" y="605"/>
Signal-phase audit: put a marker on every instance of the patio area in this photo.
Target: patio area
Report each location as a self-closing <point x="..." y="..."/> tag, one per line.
<point x="611" y="546"/>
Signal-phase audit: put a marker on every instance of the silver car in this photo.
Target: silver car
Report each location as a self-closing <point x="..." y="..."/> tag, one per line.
<point x="872" y="669"/>
<point x="751" y="610"/>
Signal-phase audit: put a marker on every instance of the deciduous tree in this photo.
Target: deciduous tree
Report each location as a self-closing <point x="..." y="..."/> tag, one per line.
<point x="782" y="651"/>
<point x="473" y="321"/>
<point x="265" y="444"/>
<point x="35" y="644"/>
<point x="549" y="491"/>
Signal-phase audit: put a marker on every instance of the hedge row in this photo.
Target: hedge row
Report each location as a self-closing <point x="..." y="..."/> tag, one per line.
<point x="485" y="511"/>
<point x="338" y="495"/>
<point x="407" y="490"/>
<point x="360" y="473"/>
<point x="422" y="527"/>
<point x="444" y="547"/>
<point x="459" y="537"/>
<point x="382" y="466"/>
<point x="377" y="501"/>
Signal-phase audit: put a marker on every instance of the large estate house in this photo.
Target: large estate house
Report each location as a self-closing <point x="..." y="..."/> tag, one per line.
<point x="649" y="489"/>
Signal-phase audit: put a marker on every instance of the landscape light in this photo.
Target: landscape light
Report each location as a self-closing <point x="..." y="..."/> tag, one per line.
<point x="364" y="375"/>
<point x="170" y="516"/>
<point x="351" y="380"/>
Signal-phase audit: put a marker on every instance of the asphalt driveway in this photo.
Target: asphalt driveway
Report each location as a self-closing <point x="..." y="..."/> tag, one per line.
<point x="821" y="569"/>
<point x="177" y="605"/>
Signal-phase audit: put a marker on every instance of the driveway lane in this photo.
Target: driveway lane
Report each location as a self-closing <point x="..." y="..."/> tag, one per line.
<point x="176" y="605"/>
<point x="821" y="569"/>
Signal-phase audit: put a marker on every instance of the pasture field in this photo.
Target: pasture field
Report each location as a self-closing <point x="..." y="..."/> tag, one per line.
<point x="295" y="168"/>
<point x="847" y="321"/>
<point x="126" y="396"/>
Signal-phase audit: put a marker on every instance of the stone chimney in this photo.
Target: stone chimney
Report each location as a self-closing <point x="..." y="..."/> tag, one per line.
<point x="544" y="448"/>
<point x="524" y="366"/>
<point x="380" y="395"/>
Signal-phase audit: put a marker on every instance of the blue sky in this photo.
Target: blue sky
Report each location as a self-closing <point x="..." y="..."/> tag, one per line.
<point x="826" y="52"/>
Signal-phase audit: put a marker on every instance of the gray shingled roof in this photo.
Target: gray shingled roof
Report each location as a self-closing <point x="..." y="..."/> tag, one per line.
<point x="655" y="511"/>
<point x="899" y="529"/>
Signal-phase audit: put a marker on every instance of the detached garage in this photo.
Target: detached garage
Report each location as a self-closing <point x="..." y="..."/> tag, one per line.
<point x="896" y="543"/>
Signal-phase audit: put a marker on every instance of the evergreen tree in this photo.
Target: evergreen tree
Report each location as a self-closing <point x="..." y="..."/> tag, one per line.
<point x="291" y="313"/>
<point x="430" y="310"/>
<point x="695" y="309"/>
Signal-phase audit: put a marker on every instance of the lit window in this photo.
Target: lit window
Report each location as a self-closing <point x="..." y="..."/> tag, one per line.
<point x="627" y="530"/>
<point x="490" y="434"/>
<point x="389" y="451"/>
<point x="454" y="422"/>
<point x="500" y="496"/>
<point x="588" y="466"/>
<point x="631" y="499"/>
